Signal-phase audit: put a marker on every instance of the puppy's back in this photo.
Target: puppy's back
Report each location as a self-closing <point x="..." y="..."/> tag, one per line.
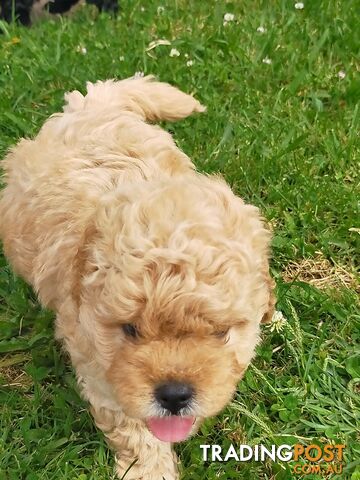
<point x="54" y="183"/>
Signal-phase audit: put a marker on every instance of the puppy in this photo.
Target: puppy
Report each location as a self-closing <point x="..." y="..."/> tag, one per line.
<point x="158" y="274"/>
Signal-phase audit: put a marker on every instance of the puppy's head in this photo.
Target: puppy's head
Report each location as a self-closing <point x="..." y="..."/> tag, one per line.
<point x="176" y="286"/>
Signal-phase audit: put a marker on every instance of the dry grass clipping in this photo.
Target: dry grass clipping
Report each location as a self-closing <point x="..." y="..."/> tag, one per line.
<point x="12" y="373"/>
<point x="321" y="273"/>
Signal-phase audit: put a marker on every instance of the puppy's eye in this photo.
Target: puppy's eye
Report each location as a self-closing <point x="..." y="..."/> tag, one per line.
<point x="222" y="334"/>
<point x="130" y="330"/>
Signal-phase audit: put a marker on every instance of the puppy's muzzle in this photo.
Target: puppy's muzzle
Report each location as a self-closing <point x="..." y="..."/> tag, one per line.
<point x="173" y="396"/>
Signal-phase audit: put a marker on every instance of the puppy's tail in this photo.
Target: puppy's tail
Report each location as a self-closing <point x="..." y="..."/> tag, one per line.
<point x="143" y="96"/>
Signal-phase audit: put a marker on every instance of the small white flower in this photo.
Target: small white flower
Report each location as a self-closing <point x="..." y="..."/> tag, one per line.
<point x="174" y="53"/>
<point x="267" y="60"/>
<point x="229" y="17"/>
<point x="299" y="5"/>
<point x="189" y="63"/>
<point x="160" y="10"/>
<point x="138" y="74"/>
<point x="261" y="29"/>
<point x="278" y="322"/>
<point x="186" y="55"/>
<point x="142" y="9"/>
<point x="341" y="74"/>
<point x="81" y="49"/>
<point x="121" y="58"/>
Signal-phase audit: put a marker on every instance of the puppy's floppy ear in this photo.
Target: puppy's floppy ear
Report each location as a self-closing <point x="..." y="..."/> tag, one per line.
<point x="272" y="300"/>
<point x="59" y="267"/>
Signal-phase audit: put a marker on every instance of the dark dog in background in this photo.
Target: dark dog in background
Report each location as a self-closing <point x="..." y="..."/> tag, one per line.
<point x="20" y="10"/>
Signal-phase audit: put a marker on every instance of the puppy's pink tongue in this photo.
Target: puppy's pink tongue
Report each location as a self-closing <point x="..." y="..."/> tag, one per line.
<point x="170" y="429"/>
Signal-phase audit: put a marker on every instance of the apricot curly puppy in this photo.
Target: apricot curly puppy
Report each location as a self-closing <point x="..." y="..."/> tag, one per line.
<point x="158" y="274"/>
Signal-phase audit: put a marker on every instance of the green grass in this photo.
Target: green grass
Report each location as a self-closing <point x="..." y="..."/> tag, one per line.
<point x="284" y="135"/>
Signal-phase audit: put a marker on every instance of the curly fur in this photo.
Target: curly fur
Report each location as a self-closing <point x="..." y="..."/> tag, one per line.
<point x="111" y="224"/>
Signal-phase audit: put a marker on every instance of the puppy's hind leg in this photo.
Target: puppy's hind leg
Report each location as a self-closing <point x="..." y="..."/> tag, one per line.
<point x="139" y="455"/>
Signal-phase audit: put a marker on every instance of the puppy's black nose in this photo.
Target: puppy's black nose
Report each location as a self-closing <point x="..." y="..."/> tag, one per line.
<point x="174" y="396"/>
